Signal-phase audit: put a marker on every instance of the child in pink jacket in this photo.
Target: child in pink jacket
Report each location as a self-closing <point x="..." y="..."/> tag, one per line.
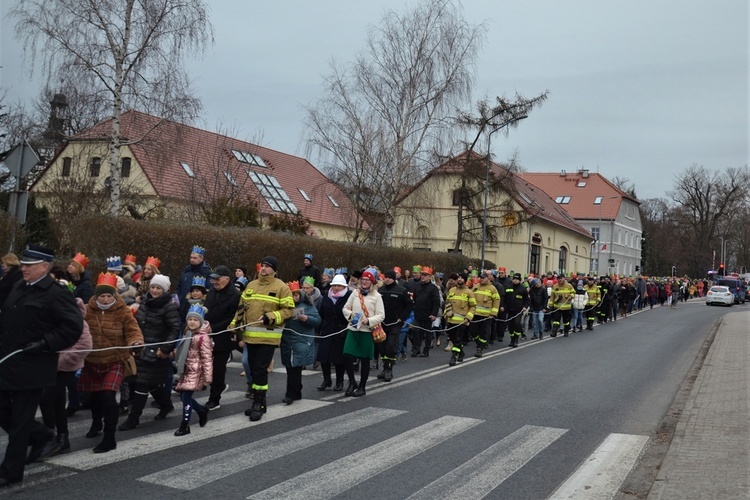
<point x="194" y="366"/>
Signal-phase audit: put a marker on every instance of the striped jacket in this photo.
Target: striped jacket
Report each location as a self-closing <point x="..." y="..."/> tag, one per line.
<point x="266" y="296"/>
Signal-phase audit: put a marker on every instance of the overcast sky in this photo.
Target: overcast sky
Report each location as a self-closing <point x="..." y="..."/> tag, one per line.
<point x="639" y="89"/>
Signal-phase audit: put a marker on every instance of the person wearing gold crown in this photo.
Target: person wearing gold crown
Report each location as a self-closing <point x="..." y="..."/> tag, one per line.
<point x="150" y="269"/>
<point x="80" y="277"/>
<point x="112" y="326"/>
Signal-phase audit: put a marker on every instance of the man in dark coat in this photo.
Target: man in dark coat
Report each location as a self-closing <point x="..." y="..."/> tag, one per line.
<point x="398" y="307"/>
<point x="222" y="301"/>
<point x="197" y="267"/>
<point x="309" y="270"/>
<point x="426" y="307"/>
<point x="40" y="317"/>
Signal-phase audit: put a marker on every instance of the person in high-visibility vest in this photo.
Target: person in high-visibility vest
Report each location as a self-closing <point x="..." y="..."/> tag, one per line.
<point x="488" y="305"/>
<point x="460" y="306"/>
<point x="594" y="297"/>
<point x="561" y="300"/>
<point x="265" y="305"/>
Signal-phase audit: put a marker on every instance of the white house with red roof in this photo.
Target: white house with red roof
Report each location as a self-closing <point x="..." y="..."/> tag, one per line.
<point x="609" y="214"/>
<point x="172" y="169"/>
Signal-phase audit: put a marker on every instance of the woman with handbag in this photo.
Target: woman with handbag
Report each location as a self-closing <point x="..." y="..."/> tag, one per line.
<point x="365" y="313"/>
<point x="112" y="327"/>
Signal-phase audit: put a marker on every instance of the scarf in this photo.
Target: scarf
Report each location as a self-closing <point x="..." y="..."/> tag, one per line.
<point x="335" y="296"/>
<point x="104" y="307"/>
<point x="182" y="352"/>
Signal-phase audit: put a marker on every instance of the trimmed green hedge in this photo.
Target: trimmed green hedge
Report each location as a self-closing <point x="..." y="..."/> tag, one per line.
<point x="171" y="242"/>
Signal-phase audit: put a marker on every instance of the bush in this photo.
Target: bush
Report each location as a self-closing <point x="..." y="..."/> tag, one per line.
<point x="171" y="242"/>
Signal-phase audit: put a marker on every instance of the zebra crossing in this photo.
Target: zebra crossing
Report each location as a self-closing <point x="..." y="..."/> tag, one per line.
<point x="599" y="475"/>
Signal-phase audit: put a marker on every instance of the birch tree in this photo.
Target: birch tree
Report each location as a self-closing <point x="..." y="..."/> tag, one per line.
<point x="384" y="117"/>
<point x="133" y="50"/>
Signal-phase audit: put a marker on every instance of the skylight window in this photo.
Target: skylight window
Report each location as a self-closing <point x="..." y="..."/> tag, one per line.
<point x="187" y="169"/>
<point x="231" y="180"/>
<point x="304" y="195"/>
<point x="333" y="201"/>
<point x="598" y="200"/>
<point x="250" y="158"/>
<point x="563" y="200"/>
<point x="272" y="192"/>
<point x="581" y="184"/>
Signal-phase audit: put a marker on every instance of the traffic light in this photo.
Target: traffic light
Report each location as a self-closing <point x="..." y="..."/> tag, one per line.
<point x="721" y="269"/>
<point x="637" y="268"/>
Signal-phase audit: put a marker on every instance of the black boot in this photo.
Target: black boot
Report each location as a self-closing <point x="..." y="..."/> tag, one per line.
<point x="388" y="371"/>
<point x="184" y="429"/>
<point x="202" y="416"/>
<point x="137" y="402"/>
<point x="360" y="389"/>
<point x="351" y="388"/>
<point x="164" y="411"/>
<point x="381" y="375"/>
<point x="249" y="391"/>
<point x="95" y="429"/>
<point x="325" y="384"/>
<point x="185" y="423"/>
<point x="107" y="444"/>
<point x="97" y="414"/>
<point x="259" y="406"/>
<point x="339" y="385"/>
<point x="454" y="359"/>
<point x="62" y="438"/>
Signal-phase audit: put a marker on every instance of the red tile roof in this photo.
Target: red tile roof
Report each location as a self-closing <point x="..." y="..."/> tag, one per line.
<point x="583" y="187"/>
<point x="160" y="146"/>
<point x="533" y="199"/>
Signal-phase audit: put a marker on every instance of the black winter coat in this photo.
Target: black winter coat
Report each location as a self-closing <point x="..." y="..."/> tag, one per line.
<point x="45" y="310"/>
<point x="83" y="289"/>
<point x="538" y="298"/>
<point x="186" y="282"/>
<point x="160" y="322"/>
<point x="426" y="301"/>
<point x="396" y="302"/>
<point x="9" y="279"/>
<point x="331" y="349"/>
<point x="222" y="305"/>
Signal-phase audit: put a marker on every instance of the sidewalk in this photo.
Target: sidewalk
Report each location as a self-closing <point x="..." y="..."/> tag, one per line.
<point x="709" y="456"/>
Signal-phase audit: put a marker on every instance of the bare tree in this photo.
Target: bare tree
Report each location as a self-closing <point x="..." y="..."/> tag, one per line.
<point x="475" y="211"/>
<point x="383" y="117"/>
<point x="134" y="51"/>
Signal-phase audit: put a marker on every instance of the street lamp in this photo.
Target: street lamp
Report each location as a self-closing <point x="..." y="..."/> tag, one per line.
<point x="493" y="128"/>
<point x="599" y="236"/>
<point x="674" y="271"/>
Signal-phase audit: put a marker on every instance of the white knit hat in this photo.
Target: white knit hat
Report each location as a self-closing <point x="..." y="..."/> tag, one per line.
<point x="339" y="280"/>
<point x="162" y="281"/>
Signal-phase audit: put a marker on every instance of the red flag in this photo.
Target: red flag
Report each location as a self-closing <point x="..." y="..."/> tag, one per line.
<point x="604" y="247"/>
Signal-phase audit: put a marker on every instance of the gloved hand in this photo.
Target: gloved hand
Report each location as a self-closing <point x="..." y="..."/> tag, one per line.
<point x="356" y="318"/>
<point x="36" y="346"/>
<point x="266" y="320"/>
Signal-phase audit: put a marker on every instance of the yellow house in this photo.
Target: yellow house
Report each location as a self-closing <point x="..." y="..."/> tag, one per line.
<point x="526" y="231"/>
<point x="173" y="170"/>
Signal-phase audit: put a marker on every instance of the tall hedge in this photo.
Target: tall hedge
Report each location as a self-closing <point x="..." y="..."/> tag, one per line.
<point x="171" y="242"/>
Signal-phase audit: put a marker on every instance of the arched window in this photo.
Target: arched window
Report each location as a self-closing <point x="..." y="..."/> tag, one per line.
<point x="562" y="264"/>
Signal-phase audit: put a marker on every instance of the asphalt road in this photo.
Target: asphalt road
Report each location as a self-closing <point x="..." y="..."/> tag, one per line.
<point x="562" y="417"/>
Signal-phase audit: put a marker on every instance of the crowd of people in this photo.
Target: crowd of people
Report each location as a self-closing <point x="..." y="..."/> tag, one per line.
<point x="130" y="333"/>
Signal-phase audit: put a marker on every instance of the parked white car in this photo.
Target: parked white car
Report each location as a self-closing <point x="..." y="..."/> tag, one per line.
<point x="720" y="295"/>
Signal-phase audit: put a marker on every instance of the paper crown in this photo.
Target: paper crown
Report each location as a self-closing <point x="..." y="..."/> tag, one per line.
<point x="501" y="269"/>
<point x="293" y="286"/>
<point x="342" y="270"/>
<point x="81" y="259"/>
<point x="426" y="270"/>
<point x="107" y="279"/>
<point x="329" y="271"/>
<point x="196" y="310"/>
<point x="198" y="281"/>
<point x="257" y="267"/>
<point x="416" y="269"/>
<point x="153" y="261"/>
<point x="198" y="250"/>
<point x="114" y="263"/>
<point x="397" y="269"/>
<point x="242" y="281"/>
<point x="130" y="259"/>
<point x="308" y="280"/>
<point x="309" y="256"/>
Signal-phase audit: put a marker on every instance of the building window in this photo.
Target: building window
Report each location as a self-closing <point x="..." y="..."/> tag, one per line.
<point x="250" y="158"/>
<point x="67" y="162"/>
<point x="581" y="184"/>
<point x="595" y="233"/>
<point x="333" y="201"/>
<point x="562" y="264"/>
<point x="231" y="180"/>
<point x="126" y="167"/>
<point x="272" y="192"/>
<point x="598" y="200"/>
<point x="536" y="252"/>
<point x="304" y="195"/>
<point x="456" y="198"/>
<point x="187" y="169"/>
<point x="96" y="166"/>
<point x="563" y="200"/>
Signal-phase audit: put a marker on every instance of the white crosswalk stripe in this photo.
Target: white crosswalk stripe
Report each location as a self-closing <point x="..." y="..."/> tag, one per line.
<point x="85" y="460"/>
<point x="355" y="468"/>
<point x="483" y="473"/>
<point x="200" y="472"/>
<point x="602" y="473"/>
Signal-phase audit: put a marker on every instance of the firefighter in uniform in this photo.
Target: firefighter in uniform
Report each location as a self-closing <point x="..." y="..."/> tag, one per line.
<point x="515" y="301"/>
<point x="264" y="307"/>
<point x="602" y="311"/>
<point x="591" y="307"/>
<point x="460" y="305"/>
<point x="562" y="300"/>
<point x="488" y="305"/>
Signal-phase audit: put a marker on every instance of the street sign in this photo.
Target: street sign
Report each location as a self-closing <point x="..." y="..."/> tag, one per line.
<point x="17" y="205"/>
<point x="21" y="160"/>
